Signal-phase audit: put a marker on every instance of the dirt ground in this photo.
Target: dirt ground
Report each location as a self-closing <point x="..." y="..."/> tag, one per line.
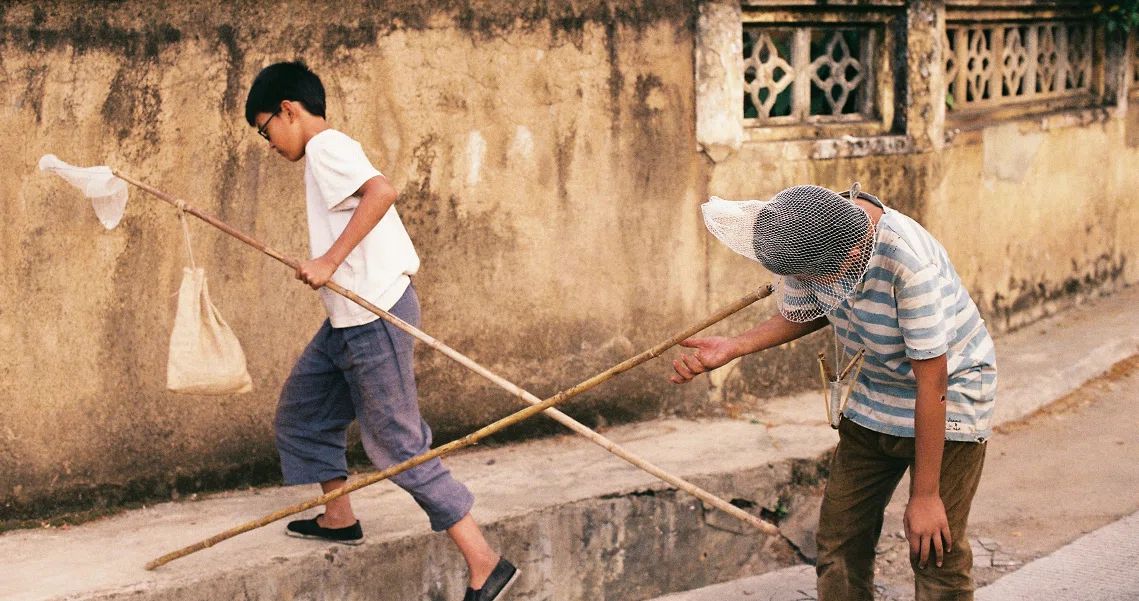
<point x="1049" y="478"/>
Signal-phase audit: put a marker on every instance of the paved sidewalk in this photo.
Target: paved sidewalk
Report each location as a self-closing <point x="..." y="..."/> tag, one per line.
<point x="789" y="584"/>
<point x="1102" y="566"/>
<point x="576" y="519"/>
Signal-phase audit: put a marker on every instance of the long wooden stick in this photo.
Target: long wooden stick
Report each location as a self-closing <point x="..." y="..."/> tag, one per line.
<point x="478" y="435"/>
<point x="517" y="391"/>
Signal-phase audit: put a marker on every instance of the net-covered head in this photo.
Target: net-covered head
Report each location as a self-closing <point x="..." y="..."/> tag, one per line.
<point x="816" y="241"/>
<point x="807" y="231"/>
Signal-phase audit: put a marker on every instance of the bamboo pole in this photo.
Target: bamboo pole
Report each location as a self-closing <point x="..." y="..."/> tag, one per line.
<point x="536" y="404"/>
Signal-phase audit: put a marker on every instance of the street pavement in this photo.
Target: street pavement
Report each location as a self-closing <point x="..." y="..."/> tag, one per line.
<point x="1101" y="566"/>
<point x="1056" y="517"/>
<point x="582" y="522"/>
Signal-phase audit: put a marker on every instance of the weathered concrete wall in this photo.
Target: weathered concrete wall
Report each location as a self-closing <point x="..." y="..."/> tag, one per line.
<point x="1037" y="213"/>
<point x="550" y="174"/>
<point x="547" y="175"/>
<point x="1034" y="211"/>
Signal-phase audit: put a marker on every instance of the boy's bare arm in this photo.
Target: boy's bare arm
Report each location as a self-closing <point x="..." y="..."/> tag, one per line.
<point x="377" y="196"/>
<point x="927" y="526"/>
<point x="715" y="351"/>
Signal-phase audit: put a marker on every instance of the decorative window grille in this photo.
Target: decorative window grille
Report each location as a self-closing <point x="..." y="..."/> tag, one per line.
<point x="1001" y="63"/>
<point x="808" y="75"/>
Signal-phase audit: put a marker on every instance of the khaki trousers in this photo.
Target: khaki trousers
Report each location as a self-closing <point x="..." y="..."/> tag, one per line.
<point x="864" y="472"/>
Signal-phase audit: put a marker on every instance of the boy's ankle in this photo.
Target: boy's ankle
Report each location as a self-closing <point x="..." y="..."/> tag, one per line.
<point x="481" y="568"/>
<point x="336" y="520"/>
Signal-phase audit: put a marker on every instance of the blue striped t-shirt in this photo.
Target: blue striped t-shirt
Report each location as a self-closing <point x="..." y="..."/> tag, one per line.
<point x="911" y="305"/>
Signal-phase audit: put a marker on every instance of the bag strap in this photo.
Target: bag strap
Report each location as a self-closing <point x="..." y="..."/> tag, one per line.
<point x="186" y="231"/>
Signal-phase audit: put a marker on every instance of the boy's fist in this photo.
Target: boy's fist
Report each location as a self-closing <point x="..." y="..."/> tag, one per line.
<point x="711" y="352"/>
<point x="316" y="272"/>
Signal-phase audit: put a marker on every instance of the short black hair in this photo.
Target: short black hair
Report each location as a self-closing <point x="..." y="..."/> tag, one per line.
<point x="284" y="81"/>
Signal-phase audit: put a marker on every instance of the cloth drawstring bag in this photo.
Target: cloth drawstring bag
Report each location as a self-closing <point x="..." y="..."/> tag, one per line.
<point x="205" y="355"/>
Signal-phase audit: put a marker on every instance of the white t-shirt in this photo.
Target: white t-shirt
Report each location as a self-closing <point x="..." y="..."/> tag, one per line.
<point x="378" y="269"/>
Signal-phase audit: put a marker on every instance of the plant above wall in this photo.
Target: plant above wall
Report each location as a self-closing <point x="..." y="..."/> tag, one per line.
<point x="1119" y="15"/>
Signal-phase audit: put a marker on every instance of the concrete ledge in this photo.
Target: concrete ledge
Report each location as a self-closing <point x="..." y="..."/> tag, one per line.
<point x="577" y="521"/>
<point x="580" y="523"/>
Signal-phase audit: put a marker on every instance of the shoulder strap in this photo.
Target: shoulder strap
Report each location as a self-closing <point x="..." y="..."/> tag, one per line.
<point x="855" y="191"/>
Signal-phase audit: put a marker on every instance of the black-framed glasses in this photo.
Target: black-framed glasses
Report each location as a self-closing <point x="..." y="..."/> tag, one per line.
<point x="261" y="130"/>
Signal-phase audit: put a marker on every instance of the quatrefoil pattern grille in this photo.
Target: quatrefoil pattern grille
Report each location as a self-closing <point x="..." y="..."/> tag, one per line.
<point x="766" y="73"/>
<point x="807" y="74"/>
<point x="1079" y="69"/>
<point x="998" y="63"/>
<point x="952" y="65"/>
<point x="1014" y="63"/>
<point x="837" y="73"/>
<point x="978" y="65"/>
<point x="1048" y="60"/>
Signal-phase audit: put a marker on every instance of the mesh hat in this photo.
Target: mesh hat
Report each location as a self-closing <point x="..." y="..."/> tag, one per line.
<point x="816" y="242"/>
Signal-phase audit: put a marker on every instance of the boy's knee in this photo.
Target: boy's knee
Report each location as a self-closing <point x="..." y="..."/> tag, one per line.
<point x="953" y="581"/>
<point x="839" y="580"/>
<point x="442" y="497"/>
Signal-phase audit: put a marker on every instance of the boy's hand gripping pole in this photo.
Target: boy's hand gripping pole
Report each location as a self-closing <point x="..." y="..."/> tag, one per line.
<point x="536" y="405"/>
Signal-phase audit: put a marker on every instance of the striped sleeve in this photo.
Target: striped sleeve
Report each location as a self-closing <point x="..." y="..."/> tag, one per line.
<point x="797" y="302"/>
<point x="920" y="316"/>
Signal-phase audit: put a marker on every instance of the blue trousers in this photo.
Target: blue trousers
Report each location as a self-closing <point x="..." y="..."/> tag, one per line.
<point x="364" y="373"/>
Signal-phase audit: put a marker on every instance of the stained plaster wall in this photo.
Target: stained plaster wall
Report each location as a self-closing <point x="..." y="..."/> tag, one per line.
<point x="1038" y="213"/>
<point x="1035" y="211"/>
<point x="551" y="159"/>
<point x="547" y="176"/>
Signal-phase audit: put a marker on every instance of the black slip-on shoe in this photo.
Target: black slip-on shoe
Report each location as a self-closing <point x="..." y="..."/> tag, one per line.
<point x="503" y="576"/>
<point x="348" y="535"/>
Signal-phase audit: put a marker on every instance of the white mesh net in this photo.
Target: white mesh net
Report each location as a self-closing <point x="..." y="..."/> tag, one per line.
<point x="816" y="242"/>
<point x="108" y="193"/>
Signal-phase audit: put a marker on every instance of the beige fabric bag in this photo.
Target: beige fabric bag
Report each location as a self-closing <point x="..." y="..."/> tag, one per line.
<point x="205" y="355"/>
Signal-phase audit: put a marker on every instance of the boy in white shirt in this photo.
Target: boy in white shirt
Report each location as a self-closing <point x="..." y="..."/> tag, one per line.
<point x="358" y="367"/>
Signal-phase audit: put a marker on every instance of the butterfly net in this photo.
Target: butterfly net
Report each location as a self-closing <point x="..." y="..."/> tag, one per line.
<point x="205" y="355"/>
<point x="108" y="193"/>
